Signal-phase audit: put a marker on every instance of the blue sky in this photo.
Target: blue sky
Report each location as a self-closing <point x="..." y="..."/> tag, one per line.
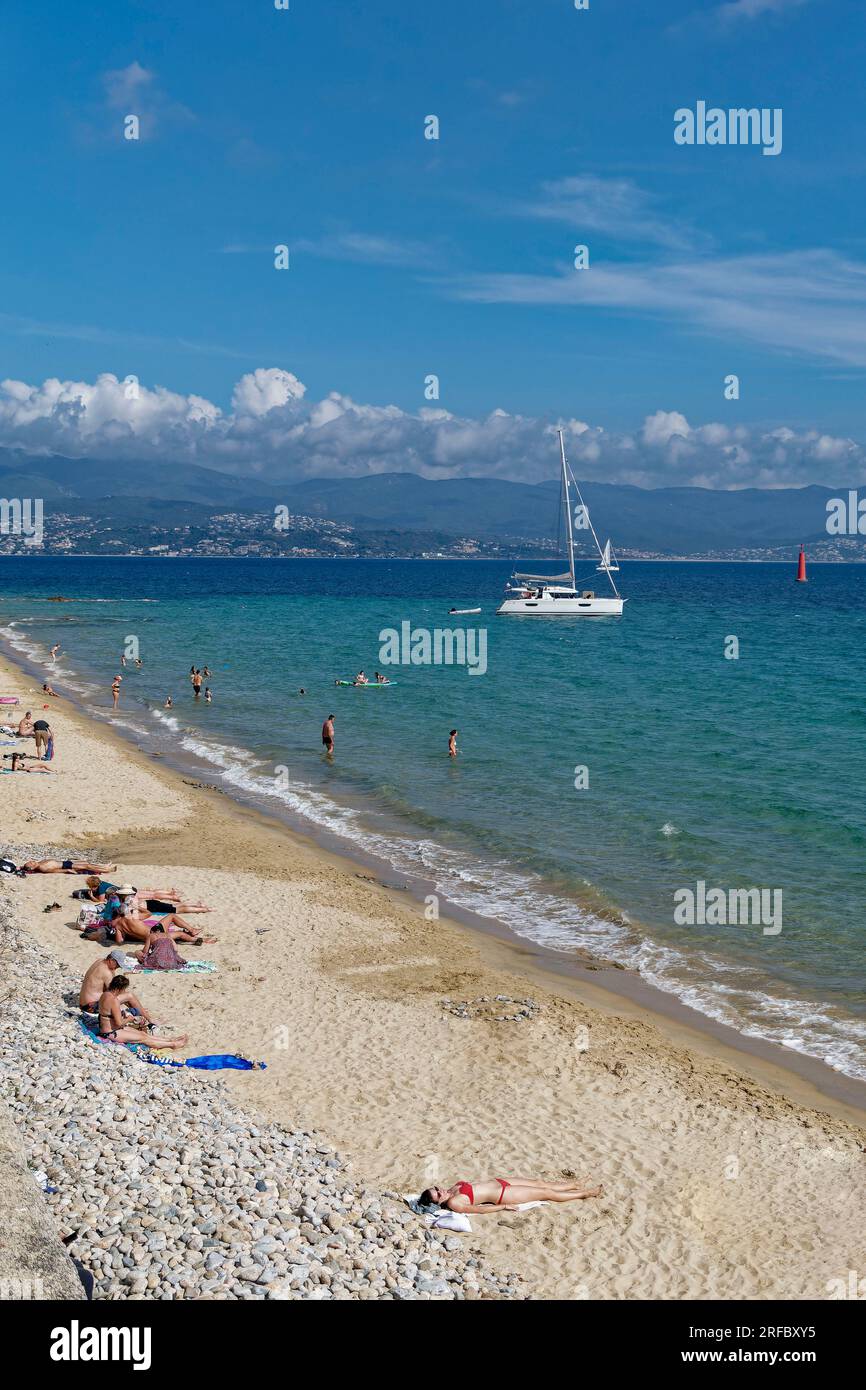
<point x="454" y="257"/>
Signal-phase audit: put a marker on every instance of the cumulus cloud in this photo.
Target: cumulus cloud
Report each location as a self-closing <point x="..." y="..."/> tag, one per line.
<point x="265" y="389"/>
<point x="273" y="431"/>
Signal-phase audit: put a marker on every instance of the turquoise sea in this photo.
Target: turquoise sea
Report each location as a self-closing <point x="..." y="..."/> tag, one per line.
<point x="737" y="773"/>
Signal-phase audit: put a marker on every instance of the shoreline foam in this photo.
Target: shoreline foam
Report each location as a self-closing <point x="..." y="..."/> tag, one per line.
<point x="636" y="967"/>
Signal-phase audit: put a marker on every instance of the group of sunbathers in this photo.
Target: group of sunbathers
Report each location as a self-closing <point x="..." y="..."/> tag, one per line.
<point x="149" y="916"/>
<point x="130" y="913"/>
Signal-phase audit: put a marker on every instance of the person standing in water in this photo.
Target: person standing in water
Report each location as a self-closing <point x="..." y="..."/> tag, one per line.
<point x="55" y="651"/>
<point x="452" y="744"/>
<point x="115" y="689"/>
<point x="197" y="684"/>
<point x="328" y="735"/>
<point x="168" y="704"/>
<point x="207" y="695"/>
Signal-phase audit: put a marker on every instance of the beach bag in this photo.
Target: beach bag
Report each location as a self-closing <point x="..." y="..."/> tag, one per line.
<point x="90" y="918"/>
<point x="7" y="867"/>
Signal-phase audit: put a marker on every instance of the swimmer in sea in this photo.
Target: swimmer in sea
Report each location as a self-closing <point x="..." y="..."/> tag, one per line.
<point x="168" y="704"/>
<point x="452" y="744"/>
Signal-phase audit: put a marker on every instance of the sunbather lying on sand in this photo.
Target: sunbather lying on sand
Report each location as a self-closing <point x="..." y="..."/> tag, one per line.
<point x="489" y="1194"/>
<point x="25" y="762"/>
<point x="65" y="866"/>
<point x="132" y="927"/>
<point x="114" y="1021"/>
<point x="97" y="889"/>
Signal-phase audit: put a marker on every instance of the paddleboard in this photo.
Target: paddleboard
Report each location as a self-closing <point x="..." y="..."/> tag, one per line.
<point x="371" y="685"/>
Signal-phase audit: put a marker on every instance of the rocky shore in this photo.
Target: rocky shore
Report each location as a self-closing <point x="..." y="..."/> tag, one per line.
<point x="174" y="1192"/>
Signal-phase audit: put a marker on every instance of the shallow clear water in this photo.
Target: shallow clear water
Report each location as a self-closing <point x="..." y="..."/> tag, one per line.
<point x="741" y="773"/>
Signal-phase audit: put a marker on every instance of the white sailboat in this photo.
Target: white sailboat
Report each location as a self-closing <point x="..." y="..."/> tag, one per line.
<point x="557" y="595"/>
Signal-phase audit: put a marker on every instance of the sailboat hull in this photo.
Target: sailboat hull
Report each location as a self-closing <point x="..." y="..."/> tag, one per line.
<point x="549" y="607"/>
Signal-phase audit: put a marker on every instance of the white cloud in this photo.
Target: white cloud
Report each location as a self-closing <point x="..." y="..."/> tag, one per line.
<point x="266" y="389"/>
<point x="134" y="91"/>
<point x="810" y="301"/>
<point x="274" y="432"/>
<point x="664" y="426"/>
<point x="753" y="9"/>
<point x="617" y="208"/>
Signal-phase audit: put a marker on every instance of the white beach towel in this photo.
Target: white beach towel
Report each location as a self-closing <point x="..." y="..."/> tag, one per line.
<point x="447" y="1220"/>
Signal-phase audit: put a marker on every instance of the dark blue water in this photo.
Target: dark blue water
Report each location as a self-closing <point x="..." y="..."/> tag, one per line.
<point x="739" y="772"/>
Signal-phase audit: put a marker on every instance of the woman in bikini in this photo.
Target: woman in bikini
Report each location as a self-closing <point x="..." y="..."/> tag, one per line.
<point x="114" y="1025"/>
<point x="491" y="1193"/>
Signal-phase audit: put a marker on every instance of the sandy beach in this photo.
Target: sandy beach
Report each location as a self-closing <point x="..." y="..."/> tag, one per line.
<point x="725" y="1177"/>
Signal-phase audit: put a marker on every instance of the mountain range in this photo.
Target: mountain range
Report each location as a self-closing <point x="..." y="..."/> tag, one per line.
<point x="675" y="520"/>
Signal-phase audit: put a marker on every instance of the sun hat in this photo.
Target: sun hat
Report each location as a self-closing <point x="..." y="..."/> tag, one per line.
<point x="125" y="890"/>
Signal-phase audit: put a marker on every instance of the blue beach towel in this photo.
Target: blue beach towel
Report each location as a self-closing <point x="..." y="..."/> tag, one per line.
<point x="217" y="1061"/>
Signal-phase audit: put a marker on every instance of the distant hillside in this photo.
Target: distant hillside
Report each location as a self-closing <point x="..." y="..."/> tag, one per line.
<point x="679" y="520"/>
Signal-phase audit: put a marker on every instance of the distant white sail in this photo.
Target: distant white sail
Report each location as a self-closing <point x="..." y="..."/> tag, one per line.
<point x="608" y="562"/>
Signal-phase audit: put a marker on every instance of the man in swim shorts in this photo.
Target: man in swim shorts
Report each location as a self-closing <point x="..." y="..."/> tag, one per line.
<point x="328" y="734"/>
<point x="97" y="978"/>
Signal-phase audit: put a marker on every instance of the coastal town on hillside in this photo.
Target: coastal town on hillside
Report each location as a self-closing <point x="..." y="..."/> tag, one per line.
<point x="254" y="535"/>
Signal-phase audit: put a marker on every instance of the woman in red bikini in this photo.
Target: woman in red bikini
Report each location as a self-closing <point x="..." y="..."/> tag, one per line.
<point x="497" y="1194"/>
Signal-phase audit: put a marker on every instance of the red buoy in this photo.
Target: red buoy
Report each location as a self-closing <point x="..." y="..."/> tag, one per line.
<point x="801" y="567"/>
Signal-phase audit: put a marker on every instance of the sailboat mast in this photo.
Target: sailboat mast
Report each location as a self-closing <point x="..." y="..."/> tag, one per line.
<point x="588" y="522"/>
<point x="567" y="508"/>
